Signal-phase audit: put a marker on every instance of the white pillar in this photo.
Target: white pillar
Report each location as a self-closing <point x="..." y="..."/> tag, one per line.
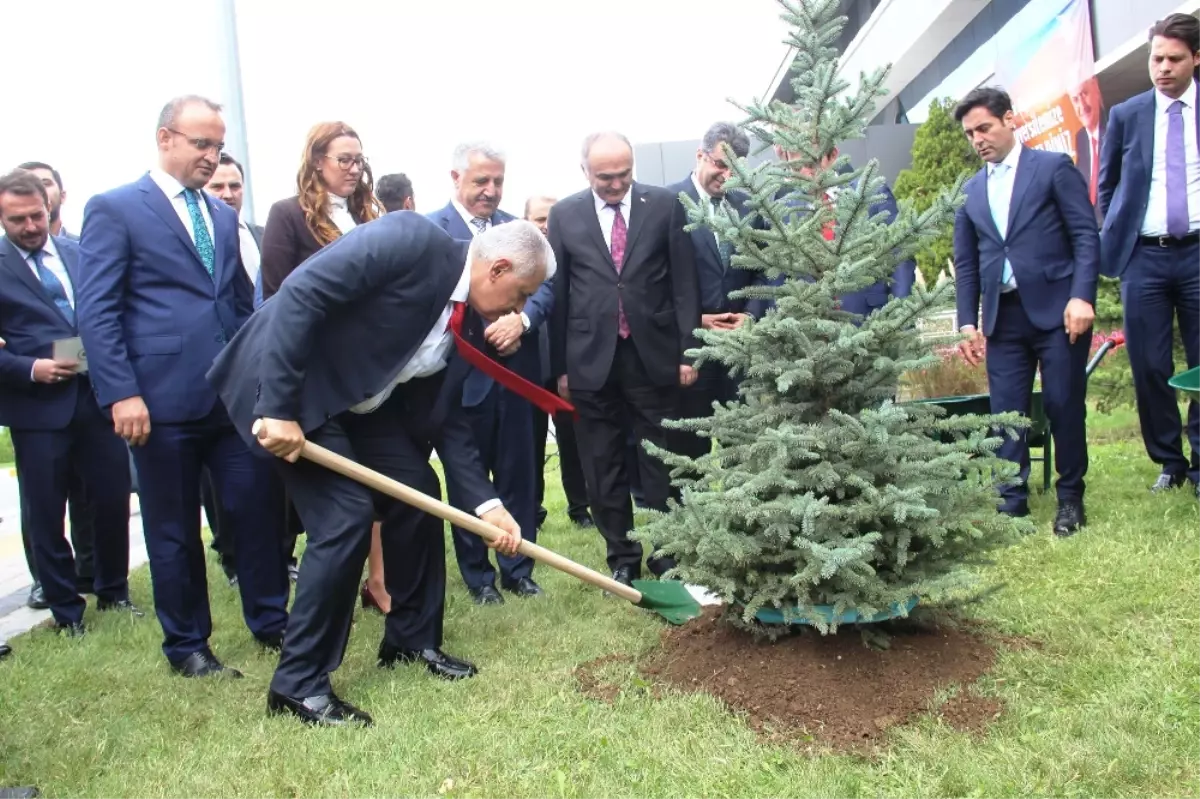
<point x="229" y="61"/>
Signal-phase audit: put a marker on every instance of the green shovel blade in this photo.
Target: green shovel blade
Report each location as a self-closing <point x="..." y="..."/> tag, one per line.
<point x="1187" y="382"/>
<point x="669" y="599"/>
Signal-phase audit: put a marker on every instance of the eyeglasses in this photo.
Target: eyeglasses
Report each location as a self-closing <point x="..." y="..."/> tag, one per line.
<point x="717" y="162"/>
<point x="348" y="162"/>
<point x="203" y="145"/>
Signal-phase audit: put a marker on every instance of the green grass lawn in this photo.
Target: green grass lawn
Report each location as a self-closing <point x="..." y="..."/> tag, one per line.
<point x="1108" y="705"/>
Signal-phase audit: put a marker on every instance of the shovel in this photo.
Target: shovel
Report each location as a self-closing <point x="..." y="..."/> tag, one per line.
<point x="668" y="598"/>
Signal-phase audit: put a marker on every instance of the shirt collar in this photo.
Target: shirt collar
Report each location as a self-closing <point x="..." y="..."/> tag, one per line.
<point x="467" y="216"/>
<point x="169" y="185"/>
<point x="337" y="202"/>
<point x="48" y="249"/>
<point x="624" y="203"/>
<point x="1011" y="160"/>
<point x="1162" y="103"/>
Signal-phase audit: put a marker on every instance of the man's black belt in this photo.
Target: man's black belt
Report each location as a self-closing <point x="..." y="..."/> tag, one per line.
<point x="1168" y="242"/>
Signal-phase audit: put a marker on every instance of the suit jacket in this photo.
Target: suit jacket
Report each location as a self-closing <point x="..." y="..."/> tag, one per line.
<point x="340" y="330"/>
<point x="714" y="281"/>
<point x="868" y="300"/>
<point x="657" y="287"/>
<point x="1126" y="164"/>
<point x="151" y="317"/>
<point x="1052" y="243"/>
<point x="526" y="361"/>
<point x="286" y="243"/>
<point x="30" y="323"/>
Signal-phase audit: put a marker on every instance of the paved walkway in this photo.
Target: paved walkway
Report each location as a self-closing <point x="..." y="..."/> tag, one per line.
<point x="15" y="618"/>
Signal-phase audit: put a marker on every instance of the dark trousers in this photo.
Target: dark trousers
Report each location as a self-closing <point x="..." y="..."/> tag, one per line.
<point x="713" y="384"/>
<point x="570" y="470"/>
<point x="1015" y="351"/>
<point x="86" y="455"/>
<point x="337" y="514"/>
<point x="212" y="514"/>
<point x="169" y="466"/>
<point x="503" y="426"/>
<point x="628" y="394"/>
<point x="1160" y="286"/>
<point x="82" y="536"/>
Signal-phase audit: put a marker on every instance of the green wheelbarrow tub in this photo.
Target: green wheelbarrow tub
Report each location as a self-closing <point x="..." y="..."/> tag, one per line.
<point x="1188" y="382"/>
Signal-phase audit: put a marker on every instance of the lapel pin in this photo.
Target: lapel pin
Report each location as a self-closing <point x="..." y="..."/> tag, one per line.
<point x="643" y="199"/>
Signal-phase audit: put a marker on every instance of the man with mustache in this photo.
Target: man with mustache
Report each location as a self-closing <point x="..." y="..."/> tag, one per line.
<point x="502" y="421"/>
<point x="163" y="290"/>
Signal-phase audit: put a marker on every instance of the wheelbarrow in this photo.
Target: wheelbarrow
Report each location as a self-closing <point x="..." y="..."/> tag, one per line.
<point x="1038" y="433"/>
<point x="1187" y="382"/>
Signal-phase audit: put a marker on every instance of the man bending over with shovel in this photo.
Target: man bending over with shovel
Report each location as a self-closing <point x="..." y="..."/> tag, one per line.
<point x="356" y="353"/>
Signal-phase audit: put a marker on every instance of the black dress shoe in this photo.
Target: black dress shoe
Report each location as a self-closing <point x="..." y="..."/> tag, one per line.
<point x="5" y="651"/>
<point x="71" y="630"/>
<point x="584" y="521"/>
<point x="320" y="711"/>
<point x="486" y="595"/>
<point x="37" y="598"/>
<point x="273" y="642"/>
<point x="85" y="585"/>
<point x="1166" y="482"/>
<point x="623" y="575"/>
<point x="203" y="664"/>
<point x="1017" y="510"/>
<point x="436" y="661"/>
<point x="1069" y="519"/>
<point x="660" y="566"/>
<point x="121" y="604"/>
<point x="525" y="587"/>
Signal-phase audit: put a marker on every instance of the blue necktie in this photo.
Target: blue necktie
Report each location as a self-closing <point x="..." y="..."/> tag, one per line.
<point x="204" y="244"/>
<point x="53" y="286"/>
<point x="1178" y="218"/>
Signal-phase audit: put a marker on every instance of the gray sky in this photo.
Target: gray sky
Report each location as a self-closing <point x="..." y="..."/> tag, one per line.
<point x="413" y="77"/>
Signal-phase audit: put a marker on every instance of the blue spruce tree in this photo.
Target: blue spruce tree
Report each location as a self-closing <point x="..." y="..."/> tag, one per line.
<point x="821" y="489"/>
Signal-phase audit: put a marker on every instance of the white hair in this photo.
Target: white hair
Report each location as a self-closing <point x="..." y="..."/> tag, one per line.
<point x="521" y="243"/>
<point x="464" y="151"/>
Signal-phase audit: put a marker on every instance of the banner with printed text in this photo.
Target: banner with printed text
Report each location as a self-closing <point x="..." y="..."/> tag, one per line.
<point x="1050" y="74"/>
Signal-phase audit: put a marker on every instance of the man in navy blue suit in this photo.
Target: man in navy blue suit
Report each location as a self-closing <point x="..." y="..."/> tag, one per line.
<point x="1150" y="196"/>
<point x="1026" y="240"/>
<point x="503" y="421"/>
<point x="62" y="442"/>
<point x="355" y="353"/>
<point x="163" y="291"/>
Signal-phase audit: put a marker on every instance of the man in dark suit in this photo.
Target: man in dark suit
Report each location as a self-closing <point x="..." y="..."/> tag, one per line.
<point x="61" y="441"/>
<point x="626" y="305"/>
<point x="352" y="354"/>
<point x="228" y="185"/>
<point x="1090" y="109"/>
<point x="163" y="291"/>
<point x="715" y="276"/>
<point x="503" y="421"/>
<point x="537" y="211"/>
<point x="1150" y="196"/>
<point x="395" y="192"/>
<point x="1026" y="240"/>
<point x="81" y="521"/>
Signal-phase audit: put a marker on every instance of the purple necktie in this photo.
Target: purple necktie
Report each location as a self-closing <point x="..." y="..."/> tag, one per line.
<point x="1178" y="220"/>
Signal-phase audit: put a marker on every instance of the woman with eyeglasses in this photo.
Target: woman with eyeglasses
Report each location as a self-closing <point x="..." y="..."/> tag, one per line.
<point x="335" y="194"/>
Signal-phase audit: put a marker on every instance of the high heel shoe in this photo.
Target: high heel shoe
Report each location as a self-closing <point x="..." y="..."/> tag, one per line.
<point x="368" y="599"/>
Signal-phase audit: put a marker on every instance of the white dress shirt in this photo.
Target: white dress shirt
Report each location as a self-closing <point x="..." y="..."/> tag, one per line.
<point x="339" y="213"/>
<point x="174" y="191"/>
<point x="1155" y="222"/>
<point x="608" y="215"/>
<point x="1000" y="188"/>
<point x="467" y="218"/>
<point x="429" y="359"/>
<point x="704" y="197"/>
<point x="52" y="261"/>
<point x="251" y="256"/>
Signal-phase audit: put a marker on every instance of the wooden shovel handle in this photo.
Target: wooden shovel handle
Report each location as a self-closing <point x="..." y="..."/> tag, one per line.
<point x="385" y="485"/>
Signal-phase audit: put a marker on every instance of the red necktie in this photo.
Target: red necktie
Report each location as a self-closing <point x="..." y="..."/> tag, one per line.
<point x="827" y="230"/>
<point x="617" y="248"/>
<point x="540" y="397"/>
